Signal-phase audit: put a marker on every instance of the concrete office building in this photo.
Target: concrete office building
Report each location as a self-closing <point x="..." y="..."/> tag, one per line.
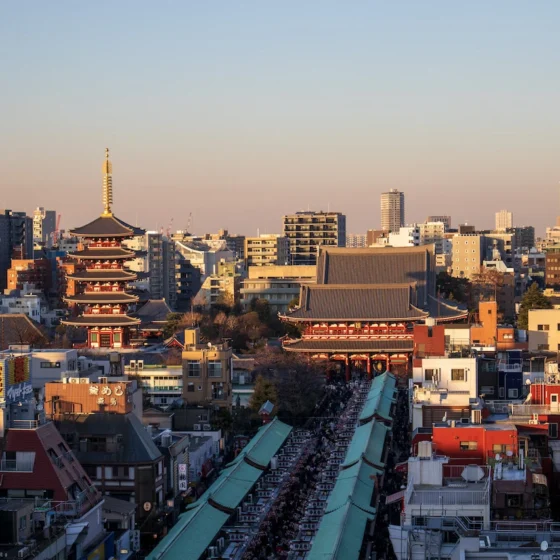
<point x="445" y="219"/>
<point x="392" y="210"/>
<point x="504" y="220"/>
<point x="266" y="250"/>
<point x="356" y="240"/>
<point x="307" y="231"/>
<point x="467" y="254"/>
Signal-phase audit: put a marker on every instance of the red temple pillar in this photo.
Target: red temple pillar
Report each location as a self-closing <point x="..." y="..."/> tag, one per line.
<point x="368" y="367"/>
<point x="347" y="369"/>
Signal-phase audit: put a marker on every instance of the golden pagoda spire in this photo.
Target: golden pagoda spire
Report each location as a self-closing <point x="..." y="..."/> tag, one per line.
<point x="107" y="184"/>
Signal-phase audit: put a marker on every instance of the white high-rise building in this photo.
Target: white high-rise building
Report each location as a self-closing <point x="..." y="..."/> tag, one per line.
<point x="356" y="240"/>
<point x="392" y="210"/>
<point x="44" y="226"/>
<point x="504" y="220"/>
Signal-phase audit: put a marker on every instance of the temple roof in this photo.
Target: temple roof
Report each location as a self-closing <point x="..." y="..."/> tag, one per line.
<point x="153" y="314"/>
<point x="103" y="275"/>
<point x="103" y="254"/>
<point x="384" y="265"/>
<point x="358" y="303"/>
<point x="333" y="345"/>
<point x="102" y="297"/>
<point x="102" y="321"/>
<point x="107" y="226"/>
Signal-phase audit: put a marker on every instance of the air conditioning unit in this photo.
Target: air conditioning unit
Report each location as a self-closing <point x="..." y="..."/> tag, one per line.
<point x="23" y="552"/>
<point x="512" y="502"/>
<point x="534" y="419"/>
<point x="140" y="364"/>
<point x="84" y="380"/>
<point x="207" y="427"/>
<point x="65" y="380"/>
<point x="250" y="499"/>
<point x="212" y="551"/>
<point x="221" y="544"/>
<point x="196" y="427"/>
<point x="465" y="421"/>
<point x="103" y="380"/>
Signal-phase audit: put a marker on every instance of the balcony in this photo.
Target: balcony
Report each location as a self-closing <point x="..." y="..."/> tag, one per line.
<point x="7" y="465"/>
<point x="529" y="410"/>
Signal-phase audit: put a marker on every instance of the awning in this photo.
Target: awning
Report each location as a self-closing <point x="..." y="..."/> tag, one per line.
<point x="396" y="497"/>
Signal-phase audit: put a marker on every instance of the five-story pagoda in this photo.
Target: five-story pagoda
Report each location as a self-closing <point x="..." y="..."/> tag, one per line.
<point x="102" y="288"/>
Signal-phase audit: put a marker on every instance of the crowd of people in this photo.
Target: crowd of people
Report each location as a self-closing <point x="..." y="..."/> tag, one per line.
<point x="281" y="526"/>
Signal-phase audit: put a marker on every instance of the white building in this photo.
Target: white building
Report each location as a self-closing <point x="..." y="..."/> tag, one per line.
<point x="160" y="385"/>
<point x="504" y="220"/>
<point x="29" y="305"/>
<point x="408" y="236"/>
<point x="443" y="388"/>
<point x="49" y="365"/>
<point x="356" y="240"/>
<point x="44" y="226"/>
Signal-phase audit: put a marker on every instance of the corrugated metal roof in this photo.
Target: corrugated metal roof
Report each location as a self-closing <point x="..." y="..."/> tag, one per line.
<point x="368" y="442"/>
<point x="340" y="534"/>
<point x="354" y="483"/>
<point x="380" y="397"/>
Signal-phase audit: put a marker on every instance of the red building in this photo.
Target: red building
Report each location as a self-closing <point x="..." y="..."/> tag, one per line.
<point x="365" y="304"/>
<point x="103" y="295"/>
<point x="37" y="463"/>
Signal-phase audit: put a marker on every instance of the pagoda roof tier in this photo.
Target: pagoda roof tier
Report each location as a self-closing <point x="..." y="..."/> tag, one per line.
<point x="103" y="254"/>
<point x="334" y="346"/>
<point x="103" y="276"/>
<point x="102" y="321"/>
<point x="92" y="298"/>
<point x="107" y="226"/>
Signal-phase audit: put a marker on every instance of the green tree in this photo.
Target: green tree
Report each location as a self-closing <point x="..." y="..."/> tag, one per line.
<point x="533" y="299"/>
<point x="174" y="321"/>
<point x="265" y="390"/>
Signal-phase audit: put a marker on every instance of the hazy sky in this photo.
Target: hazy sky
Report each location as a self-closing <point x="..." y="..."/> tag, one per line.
<point x="240" y="112"/>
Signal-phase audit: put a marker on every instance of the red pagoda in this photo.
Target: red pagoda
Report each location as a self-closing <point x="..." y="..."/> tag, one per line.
<point x="101" y="292"/>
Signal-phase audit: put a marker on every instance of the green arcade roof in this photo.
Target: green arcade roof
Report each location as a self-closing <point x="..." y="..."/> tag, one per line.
<point x="380" y="398"/>
<point x="368" y="443"/>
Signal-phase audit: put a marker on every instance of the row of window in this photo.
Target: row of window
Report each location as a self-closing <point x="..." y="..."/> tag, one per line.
<point x="194" y="368"/>
<point x="456" y="374"/>
<point x="547" y="327"/>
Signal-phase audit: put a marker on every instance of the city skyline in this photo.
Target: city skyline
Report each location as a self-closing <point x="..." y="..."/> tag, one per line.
<point x="203" y="109"/>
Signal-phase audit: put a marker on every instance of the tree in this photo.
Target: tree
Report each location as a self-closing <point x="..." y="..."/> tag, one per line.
<point x="265" y="390"/>
<point x="486" y="283"/>
<point x="533" y="299"/>
<point x="457" y="289"/>
<point x="174" y="320"/>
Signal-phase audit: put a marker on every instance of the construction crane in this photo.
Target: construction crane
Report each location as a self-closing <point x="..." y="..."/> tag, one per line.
<point x="189" y="224"/>
<point x="169" y="227"/>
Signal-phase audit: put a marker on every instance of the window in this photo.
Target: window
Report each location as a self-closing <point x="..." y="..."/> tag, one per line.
<point x="502" y="392"/>
<point x="512" y="393"/>
<point x="190" y="388"/>
<point x="468" y="445"/>
<point x="542" y="347"/>
<point x="428" y="375"/>
<point x="457" y="375"/>
<point x="553" y="431"/>
<point x="214" y="368"/>
<point x="543" y="327"/>
<point x="501" y="448"/>
<point x="193" y="368"/>
<point x="487" y="390"/>
<point x="108" y="472"/>
<point x="45" y="365"/>
<point x="514" y="500"/>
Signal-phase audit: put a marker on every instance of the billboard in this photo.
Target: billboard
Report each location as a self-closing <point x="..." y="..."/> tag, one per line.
<point x="183" y="479"/>
<point x="15" y="373"/>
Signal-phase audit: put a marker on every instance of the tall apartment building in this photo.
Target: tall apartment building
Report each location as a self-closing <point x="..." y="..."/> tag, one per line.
<point x="504" y="220"/>
<point x="306" y="231"/>
<point x="266" y="250"/>
<point x="445" y="219"/>
<point x="356" y="240"/>
<point x="408" y="236"/>
<point x="160" y="266"/>
<point x="44" y="226"/>
<point x="468" y="252"/>
<point x="552" y="266"/>
<point x="524" y="237"/>
<point x="16" y="240"/>
<point x="392" y="210"/>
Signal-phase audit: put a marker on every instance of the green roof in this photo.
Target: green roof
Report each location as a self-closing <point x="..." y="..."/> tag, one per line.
<point x="340" y="534"/>
<point x="355" y="483"/>
<point x="265" y="444"/>
<point x="368" y="442"/>
<point x="203" y="520"/>
<point x="192" y="534"/>
<point x="380" y="397"/>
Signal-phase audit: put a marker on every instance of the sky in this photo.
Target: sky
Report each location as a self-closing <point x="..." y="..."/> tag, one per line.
<point x="238" y="112"/>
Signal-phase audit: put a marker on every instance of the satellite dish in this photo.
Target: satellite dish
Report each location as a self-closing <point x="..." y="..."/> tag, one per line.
<point x="509" y="453"/>
<point x="544" y="546"/>
<point x="472" y="473"/>
<point x="528" y="382"/>
<point x="498" y="457"/>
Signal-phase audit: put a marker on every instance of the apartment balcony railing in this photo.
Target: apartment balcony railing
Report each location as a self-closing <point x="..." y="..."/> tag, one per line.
<point x="24" y="424"/>
<point x="9" y="465"/>
<point x="528" y="410"/>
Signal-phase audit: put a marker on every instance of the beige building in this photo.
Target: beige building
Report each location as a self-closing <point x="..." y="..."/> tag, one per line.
<point x="266" y="250"/>
<point x="544" y="330"/>
<point x="206" y="372"/>
<point x="504" y="220"/>
<point x="392" y="210"/>
<point x="277" y="284"/>
<point x="467" y="254"/>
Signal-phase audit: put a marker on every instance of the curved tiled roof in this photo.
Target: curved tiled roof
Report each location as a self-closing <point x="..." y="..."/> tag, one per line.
<point x="103" y="254"/>
<point x="102" y="276"/>
<point x="102" y="297"/>
<point x="107" y="226"/>
<point x="102" y="321"/>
